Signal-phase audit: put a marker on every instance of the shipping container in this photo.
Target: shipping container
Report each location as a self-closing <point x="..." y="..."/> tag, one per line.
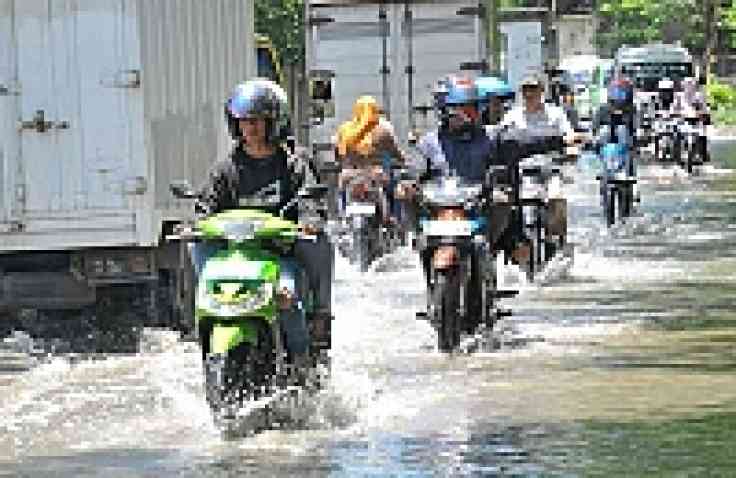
<point x="102" y="104"/>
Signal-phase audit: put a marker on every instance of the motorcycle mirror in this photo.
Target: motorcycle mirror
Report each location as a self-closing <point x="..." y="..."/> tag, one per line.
<point x="181" y="189"/>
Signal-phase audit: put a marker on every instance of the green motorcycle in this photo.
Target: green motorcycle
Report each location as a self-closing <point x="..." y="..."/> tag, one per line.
<point x="253" y="309"/>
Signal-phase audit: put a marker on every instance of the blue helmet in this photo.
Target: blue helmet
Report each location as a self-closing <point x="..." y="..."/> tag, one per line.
<point x="620" y="91"/>
<point x="461" y="91"/>
<point x="456" y="90"/>
<point x="259" y="98"/>
<point x="493" y="87"/>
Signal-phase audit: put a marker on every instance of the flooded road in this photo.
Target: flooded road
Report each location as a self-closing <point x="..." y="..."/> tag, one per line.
<point x="621" y="365"/>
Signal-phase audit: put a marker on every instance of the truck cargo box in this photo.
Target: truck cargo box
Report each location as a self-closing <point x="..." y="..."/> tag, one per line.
<point x="424" y="40"/>
<point x="102" y="104"/>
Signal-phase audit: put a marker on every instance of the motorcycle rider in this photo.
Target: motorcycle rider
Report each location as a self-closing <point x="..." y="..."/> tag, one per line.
<point x="619" y="107"/>
<point x="461" y="144"/>
<point x="613" y="124"/>
<point x="696" y="98"/>
<point x="533" y="112"/>
<point x="258" y="122"/>
<point x="364" y="146"/>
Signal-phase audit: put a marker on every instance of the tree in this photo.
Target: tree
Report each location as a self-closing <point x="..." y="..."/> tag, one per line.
<point x="283" y="22"/>
<point x="635" y="22"/>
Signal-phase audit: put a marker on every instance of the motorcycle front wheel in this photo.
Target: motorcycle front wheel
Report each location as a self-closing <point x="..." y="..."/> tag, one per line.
<point x="448" y="300"/>
<point x="242" y="374"/>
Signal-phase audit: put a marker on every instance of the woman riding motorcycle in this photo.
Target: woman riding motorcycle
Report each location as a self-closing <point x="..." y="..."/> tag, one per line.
<point x="257" y="118"/>
<point x="365" y="144"/>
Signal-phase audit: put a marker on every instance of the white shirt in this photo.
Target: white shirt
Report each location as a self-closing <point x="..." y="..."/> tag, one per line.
<point x="549" y="116"/>
<point x="428" y="148"/>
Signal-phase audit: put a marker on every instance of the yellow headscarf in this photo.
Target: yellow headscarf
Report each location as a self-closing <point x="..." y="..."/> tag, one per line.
<point x="355" y="136"/>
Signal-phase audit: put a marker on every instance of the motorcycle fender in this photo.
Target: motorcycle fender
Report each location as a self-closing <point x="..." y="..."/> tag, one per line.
<point x="500" y="219"/>
<point x="557" y="218"/>
<point x="226" y="337"/>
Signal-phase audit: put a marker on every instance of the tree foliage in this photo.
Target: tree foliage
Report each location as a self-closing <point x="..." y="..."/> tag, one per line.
<point x="282" y="21"/>
<point x="635" y="22"/>
<point x="639" y="21"/>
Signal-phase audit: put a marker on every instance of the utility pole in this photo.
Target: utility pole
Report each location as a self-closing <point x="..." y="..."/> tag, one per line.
<point x="709" y="17"/>
<point x="494" y="37"/>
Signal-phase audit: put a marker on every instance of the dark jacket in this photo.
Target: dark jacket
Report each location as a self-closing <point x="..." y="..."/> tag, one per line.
<point x="470" y="157"/>
<point x="242" y="177"/>
<point x="603" y="117"/>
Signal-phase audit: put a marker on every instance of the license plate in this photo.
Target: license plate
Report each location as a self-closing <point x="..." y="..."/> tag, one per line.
<point x="360" y="209"/>
<point x="448" y="228"/>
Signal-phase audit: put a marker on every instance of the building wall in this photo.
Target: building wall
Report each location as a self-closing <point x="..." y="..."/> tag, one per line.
<point x="575" y="36"/>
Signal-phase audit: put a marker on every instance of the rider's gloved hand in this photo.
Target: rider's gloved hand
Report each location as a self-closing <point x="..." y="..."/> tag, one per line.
<point x="406" y="190"/>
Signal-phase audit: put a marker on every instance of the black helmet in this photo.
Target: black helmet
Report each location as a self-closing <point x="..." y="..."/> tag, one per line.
<point x="259" y="98"/>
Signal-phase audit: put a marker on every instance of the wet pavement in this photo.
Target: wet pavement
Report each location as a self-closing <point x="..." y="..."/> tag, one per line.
<point x="619" y="365"/>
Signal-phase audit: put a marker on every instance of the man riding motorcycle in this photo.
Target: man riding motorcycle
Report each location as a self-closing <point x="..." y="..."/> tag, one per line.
<point x="694" y="96"/>
<point x="534" y="115"/>
<point x="534" y="112"/>
<point x="257" y="119"/>
<point x="619" y="106"/>
<point x="462" y="144"/>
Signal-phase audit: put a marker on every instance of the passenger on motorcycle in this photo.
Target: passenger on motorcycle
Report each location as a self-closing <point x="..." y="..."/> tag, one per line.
<point x="366" y="144"/>
<point x="257" y="118"/>
<point x="533" y="112"/>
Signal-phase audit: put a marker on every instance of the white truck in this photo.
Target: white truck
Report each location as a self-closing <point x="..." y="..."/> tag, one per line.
<point x="103" y="103"/>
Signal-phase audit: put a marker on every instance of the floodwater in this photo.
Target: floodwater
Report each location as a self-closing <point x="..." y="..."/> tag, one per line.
<point x="621" y="364"/>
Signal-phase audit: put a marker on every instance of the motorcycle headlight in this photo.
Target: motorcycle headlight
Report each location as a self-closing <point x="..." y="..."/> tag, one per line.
<point x="234" y="297"/>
